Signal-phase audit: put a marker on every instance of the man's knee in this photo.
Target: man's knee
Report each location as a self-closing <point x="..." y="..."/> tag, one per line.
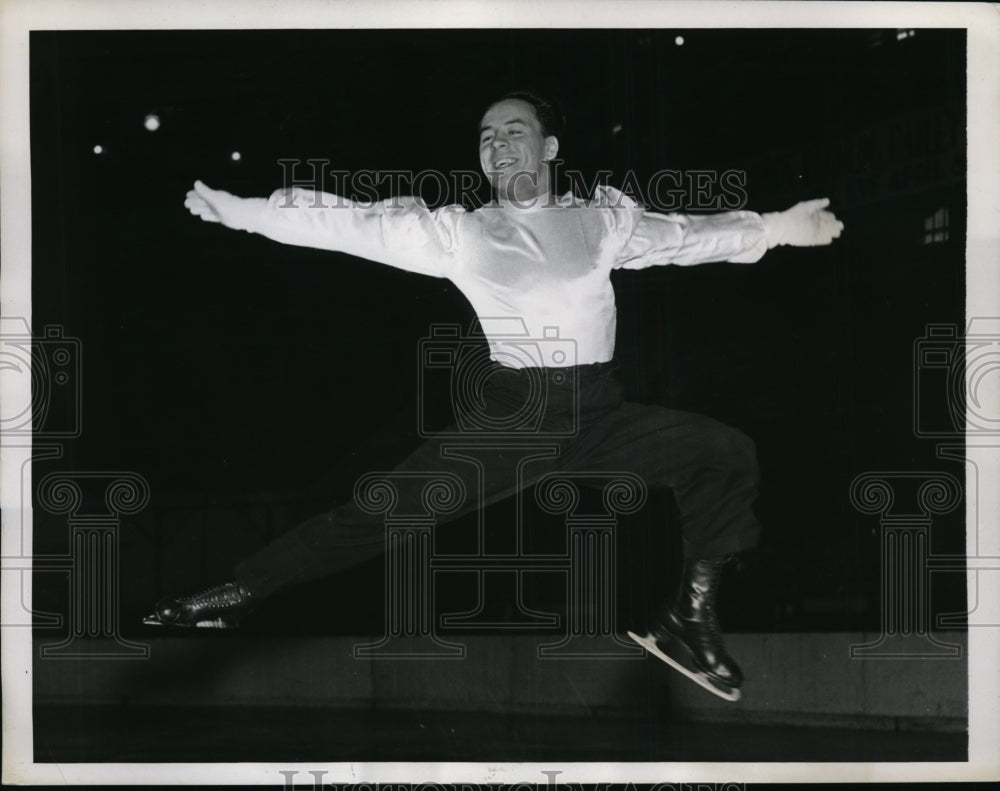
<point x="746" y="454"/>
<point x="743" y="446"/>
<point x="734" y="450"/>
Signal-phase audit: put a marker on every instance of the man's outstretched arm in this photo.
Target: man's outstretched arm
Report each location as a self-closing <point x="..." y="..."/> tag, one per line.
<point x="401" y="233"/>
<point x="738" y="236"/>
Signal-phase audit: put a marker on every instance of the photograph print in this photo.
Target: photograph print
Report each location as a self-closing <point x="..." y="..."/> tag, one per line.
<point x="499" y="396"/>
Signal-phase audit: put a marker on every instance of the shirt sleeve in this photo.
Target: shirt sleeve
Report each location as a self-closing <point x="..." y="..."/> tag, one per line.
<point x="400" y="232"/>
<point x="650" y="239"/>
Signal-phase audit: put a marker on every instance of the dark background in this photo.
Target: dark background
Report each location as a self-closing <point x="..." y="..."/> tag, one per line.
<point x="252" y="383"/>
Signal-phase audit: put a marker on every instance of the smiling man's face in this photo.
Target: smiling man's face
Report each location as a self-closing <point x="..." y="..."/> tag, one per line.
<point x="514" y="151"/>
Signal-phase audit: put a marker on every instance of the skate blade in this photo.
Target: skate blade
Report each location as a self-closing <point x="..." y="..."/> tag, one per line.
<point x="215" y="623"/>
<point x="649" y="644"/>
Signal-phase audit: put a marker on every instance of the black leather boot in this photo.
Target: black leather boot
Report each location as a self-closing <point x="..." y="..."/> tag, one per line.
<point x="220" y="607"/>
<point x="691" y="621"/>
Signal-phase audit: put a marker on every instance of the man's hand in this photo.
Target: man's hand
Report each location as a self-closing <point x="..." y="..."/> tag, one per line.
<point x="806" y="224"/>
<point x="220" y="206"/>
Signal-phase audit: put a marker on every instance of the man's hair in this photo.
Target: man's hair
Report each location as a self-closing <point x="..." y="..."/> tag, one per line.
<point x="549" y="115"/>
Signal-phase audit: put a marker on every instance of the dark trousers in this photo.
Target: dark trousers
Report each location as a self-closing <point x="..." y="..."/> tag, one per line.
<point x="524" y="424"/>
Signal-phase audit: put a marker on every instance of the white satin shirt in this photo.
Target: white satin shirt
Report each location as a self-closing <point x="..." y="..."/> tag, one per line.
<point x="537" y="277"/>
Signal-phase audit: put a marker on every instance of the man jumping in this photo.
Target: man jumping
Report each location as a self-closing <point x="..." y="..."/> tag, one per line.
<point x="544" y="262"/>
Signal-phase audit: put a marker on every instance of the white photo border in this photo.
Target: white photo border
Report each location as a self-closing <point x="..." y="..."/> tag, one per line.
<point x="18" y="17"/>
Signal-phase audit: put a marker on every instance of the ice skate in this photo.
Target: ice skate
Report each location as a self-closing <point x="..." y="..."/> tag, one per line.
<point x="683" y="664"/>
<point x="686" y="636"/>
<point x="220" y="607"/>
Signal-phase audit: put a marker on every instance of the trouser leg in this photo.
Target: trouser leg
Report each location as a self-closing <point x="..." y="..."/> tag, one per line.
<point x="348" y="535"/>
<point x="712" y="471"/>
<point x="711" y="468"/>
